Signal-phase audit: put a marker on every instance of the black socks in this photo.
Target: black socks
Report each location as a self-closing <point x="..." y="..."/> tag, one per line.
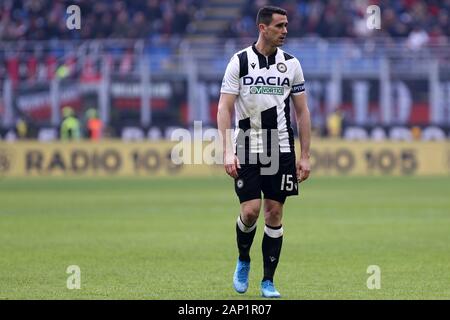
<point x="271" y="245"/>
<point x="244" y="237"/>
<point x="271" y="248"/>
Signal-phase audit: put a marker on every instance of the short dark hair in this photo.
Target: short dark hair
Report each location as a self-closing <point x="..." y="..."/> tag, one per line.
<point x="265" y="14"/>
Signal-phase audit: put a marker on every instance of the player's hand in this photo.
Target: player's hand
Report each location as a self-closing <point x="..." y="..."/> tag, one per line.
<point x="231" y="164"/>
<point x="303" y="169"/>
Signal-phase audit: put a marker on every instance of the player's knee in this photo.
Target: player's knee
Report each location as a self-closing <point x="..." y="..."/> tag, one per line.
<point x="273" y="213"/>
<point x="250" y="214"/>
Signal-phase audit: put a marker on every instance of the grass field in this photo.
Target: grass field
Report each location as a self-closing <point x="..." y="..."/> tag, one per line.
<point x="175" y="239"/>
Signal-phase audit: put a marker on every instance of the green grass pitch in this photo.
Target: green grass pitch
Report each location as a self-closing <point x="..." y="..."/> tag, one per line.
<point x="175" y="239"/>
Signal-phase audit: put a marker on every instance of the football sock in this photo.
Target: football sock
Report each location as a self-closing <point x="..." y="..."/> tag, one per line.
<point x="244" y="237"/>
<point x="271" y="248"/>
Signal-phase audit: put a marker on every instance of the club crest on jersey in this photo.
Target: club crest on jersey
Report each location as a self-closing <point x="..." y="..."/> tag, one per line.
<point x="281" y="67"/>
<point x="269" y="81"/>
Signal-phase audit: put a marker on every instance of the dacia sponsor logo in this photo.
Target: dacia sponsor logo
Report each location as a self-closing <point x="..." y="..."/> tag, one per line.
<point x="266" y="90"/>
<point x="269" y="81"/>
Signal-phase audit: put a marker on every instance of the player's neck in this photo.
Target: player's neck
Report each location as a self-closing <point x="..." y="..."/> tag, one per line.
<point x="264" y="48"/>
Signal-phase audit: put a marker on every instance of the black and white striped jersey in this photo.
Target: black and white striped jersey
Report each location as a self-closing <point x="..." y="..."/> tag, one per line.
<point x="263" y="86"/>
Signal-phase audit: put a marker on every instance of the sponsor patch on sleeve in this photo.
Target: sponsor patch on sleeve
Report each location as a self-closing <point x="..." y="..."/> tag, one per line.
<point x="296" y="88"/>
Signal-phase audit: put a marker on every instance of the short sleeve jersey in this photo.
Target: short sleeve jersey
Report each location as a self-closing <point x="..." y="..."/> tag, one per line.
<point x="263" y="86"/>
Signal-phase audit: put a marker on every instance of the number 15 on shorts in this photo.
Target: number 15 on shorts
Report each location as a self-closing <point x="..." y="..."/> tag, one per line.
<point x="287" y="182"/>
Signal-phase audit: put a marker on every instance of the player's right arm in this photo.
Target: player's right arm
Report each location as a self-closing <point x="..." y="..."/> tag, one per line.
<point x="224" y="114"/>
<point x="228" y="94"/>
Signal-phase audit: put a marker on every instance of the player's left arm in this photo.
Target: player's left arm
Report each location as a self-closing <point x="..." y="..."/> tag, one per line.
<point x="304" y="131"/>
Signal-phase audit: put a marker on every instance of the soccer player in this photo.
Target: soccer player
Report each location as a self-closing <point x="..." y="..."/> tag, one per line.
<point x="258" y="84"/>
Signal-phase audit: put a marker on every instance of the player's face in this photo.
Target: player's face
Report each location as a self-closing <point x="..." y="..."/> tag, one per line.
<point x="276" y="32"/>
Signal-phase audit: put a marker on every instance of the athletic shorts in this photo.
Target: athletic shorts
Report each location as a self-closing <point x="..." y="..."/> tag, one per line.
<point x="251" y="182"/>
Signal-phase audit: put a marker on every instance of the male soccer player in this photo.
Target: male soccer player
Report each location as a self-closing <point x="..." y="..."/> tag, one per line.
<point x="258" y="84"/>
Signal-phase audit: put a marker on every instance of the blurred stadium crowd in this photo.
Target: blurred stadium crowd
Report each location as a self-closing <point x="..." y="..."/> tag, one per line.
<point x="346" y="18"/>
<point x="46" y="19"/>
<point x="162" y="21"/>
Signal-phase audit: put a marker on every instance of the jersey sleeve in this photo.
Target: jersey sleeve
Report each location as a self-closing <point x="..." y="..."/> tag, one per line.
<point x="298" y="84"/>
<point x="230" y="82"/>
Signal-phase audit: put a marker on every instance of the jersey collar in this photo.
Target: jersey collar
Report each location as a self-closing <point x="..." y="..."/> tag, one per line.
<point x="263" y="61"/>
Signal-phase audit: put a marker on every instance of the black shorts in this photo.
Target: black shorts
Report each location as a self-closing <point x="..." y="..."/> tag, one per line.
<point x="278" y="186"/>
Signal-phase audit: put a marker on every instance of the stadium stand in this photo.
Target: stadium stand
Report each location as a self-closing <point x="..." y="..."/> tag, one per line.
<point x="45" y="19"/>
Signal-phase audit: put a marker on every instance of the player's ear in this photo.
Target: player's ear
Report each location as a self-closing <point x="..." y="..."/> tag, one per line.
<point x="262" y="27"/>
